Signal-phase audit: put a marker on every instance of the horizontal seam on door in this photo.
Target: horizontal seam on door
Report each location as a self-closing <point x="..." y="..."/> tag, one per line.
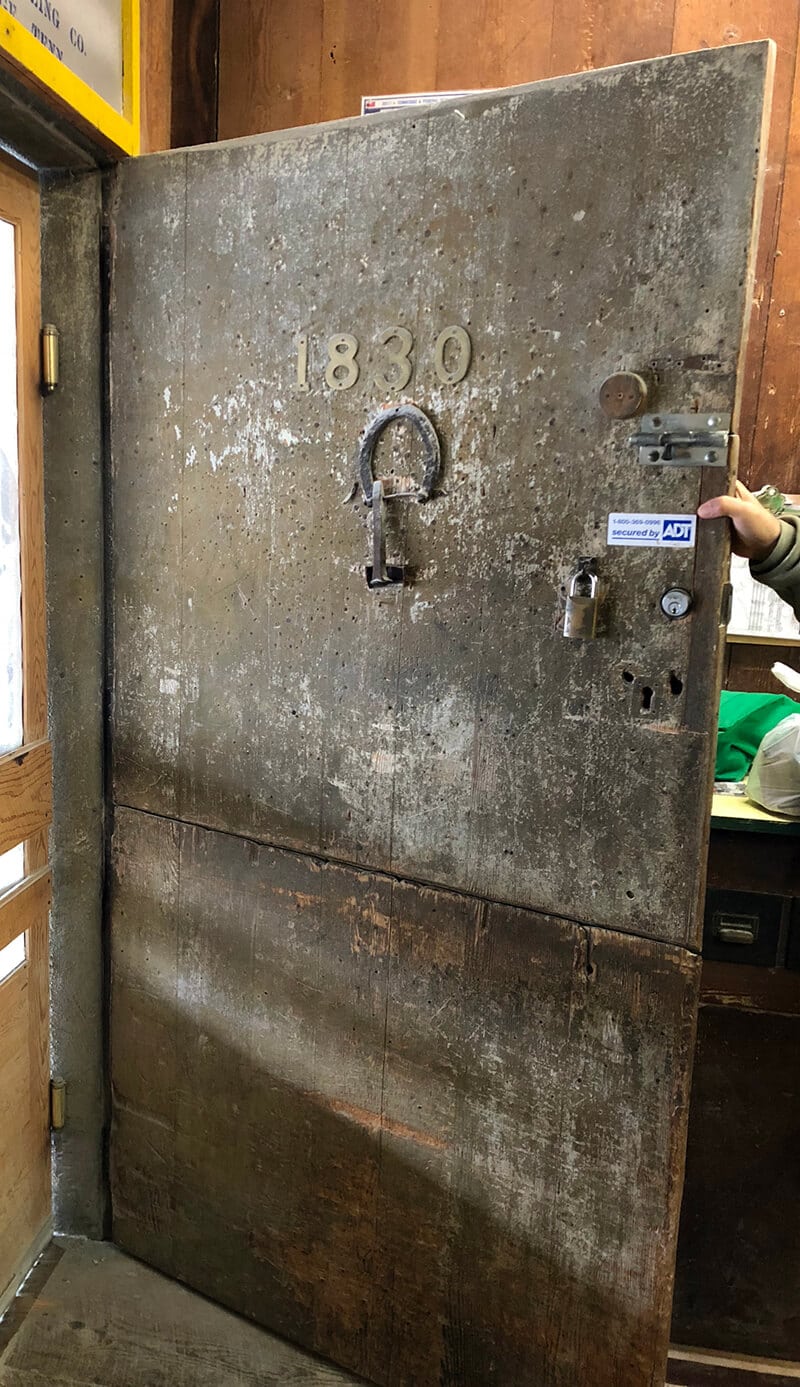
<point x="412" y="881"/>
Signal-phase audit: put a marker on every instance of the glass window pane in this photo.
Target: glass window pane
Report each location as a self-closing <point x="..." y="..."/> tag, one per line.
<point x="12" y="867"/>
<point x="12" y="957"/>
<point x="10" y="586"/>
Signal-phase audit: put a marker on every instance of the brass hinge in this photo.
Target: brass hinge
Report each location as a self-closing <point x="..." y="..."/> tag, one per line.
<point x="58" y="1103"/>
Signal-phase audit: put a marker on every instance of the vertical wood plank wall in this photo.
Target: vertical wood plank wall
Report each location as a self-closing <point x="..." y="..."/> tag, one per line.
<point x="293" y="62"/>
<point x="157" y="74"/>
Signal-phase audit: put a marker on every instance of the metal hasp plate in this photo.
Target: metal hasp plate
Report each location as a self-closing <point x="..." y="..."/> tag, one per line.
<point x="683" y="440"/>
<point x="377" y="491"/>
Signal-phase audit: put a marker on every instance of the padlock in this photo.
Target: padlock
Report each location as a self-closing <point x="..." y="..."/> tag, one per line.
<point x="580" y="617"/>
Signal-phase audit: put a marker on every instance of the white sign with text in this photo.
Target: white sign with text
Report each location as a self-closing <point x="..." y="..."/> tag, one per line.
<point x="84" y="35"/>
<point x="652" y="531"/>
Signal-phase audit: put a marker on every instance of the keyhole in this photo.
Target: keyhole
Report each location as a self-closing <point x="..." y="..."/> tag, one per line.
<point x="647" y="698"/>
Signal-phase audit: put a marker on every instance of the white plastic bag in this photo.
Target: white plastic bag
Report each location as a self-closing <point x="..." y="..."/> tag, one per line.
<point x="774" y="779"/>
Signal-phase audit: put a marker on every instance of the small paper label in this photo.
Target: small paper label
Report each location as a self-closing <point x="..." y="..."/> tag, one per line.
<point x="652" y="531"/>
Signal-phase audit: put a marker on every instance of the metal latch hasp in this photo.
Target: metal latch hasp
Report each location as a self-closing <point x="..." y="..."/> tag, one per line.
<point x="683" y="440"/>
<point x="379" y="490"/>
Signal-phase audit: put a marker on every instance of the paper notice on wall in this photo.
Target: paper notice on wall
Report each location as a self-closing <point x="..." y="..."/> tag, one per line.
<point x="84" y="35"/>
<point x="756" y="610"/>
<point x="373" y="105"/>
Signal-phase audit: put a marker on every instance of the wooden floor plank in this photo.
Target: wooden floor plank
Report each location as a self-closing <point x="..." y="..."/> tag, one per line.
<point x="105" y="1320"/>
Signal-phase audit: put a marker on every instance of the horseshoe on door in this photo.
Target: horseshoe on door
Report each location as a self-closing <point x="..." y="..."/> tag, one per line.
<point x="377" y="490"/>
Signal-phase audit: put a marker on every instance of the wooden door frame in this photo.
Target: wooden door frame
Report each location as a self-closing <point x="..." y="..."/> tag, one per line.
<point x="26" y="772"/>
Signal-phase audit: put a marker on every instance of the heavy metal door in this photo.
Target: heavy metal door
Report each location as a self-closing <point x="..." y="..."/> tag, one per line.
<point x="405" y="911"/>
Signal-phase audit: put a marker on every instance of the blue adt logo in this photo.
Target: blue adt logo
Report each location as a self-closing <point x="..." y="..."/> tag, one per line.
<point x="676" y="530"/>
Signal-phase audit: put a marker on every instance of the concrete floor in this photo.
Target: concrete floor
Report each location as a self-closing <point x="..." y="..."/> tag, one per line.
<point x="91" y="1317"/>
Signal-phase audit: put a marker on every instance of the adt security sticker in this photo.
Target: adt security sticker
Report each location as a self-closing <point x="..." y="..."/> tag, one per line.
<point x="652" y="531"/>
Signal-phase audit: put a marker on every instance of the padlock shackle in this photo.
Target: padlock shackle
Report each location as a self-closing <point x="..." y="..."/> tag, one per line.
<point x="586" y="577"/>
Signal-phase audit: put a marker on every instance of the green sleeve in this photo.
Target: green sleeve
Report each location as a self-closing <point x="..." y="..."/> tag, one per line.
<point x="780" y="570"/>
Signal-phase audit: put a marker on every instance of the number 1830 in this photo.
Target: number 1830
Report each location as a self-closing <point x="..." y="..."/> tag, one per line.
<point x="394" y="365"/>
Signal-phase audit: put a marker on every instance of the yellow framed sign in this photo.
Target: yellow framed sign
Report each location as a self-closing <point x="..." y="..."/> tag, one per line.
<point x="85" y="55"/>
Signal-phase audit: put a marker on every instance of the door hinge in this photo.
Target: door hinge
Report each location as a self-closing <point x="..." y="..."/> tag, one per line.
<point x="50" y="358"/>
<point x="58" y="1103"/>
<point x="683" y="440"/>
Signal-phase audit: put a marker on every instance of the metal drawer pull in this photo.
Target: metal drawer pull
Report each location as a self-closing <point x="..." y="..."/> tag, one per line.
<point x="736" y="929"/>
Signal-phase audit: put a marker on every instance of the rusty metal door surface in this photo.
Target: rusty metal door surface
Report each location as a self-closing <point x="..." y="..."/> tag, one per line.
<point x="405" y="901"/>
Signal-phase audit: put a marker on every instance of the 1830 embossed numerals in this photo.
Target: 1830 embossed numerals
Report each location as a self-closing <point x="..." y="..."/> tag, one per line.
<point x="394" y="365"/>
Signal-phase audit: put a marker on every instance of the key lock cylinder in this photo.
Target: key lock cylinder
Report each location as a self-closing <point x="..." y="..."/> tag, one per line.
<point x="381" y="492"/>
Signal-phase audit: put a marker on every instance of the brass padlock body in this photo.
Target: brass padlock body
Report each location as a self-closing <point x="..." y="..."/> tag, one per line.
<point x="580" y="617"/>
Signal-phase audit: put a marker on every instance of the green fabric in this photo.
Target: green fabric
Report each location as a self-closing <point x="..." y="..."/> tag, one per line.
<point x="744" y="719"/>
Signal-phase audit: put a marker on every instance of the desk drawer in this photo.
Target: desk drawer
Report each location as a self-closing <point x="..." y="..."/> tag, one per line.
<point x="743" y="927"/>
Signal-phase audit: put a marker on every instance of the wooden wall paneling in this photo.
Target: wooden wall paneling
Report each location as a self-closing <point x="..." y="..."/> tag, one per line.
<point x="777" y="433"/>
<point x="157" y="74"/>
<point x="375" y="49"/>
<point x="748" y="666"/>
<point x="269" y="65"/>
<point x="601" y="33"/>
<point x="715" y="22"/>
<point x="571" y="40"/>
<point x="502" y="42"/>
<point x="195" y="57"/>
<point x="626" y="31"/>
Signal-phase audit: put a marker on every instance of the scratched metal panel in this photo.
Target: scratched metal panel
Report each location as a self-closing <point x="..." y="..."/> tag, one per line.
<point x="147" y="250"/>
<point x="445" y="731"/>
<point x="436" y="1140"/>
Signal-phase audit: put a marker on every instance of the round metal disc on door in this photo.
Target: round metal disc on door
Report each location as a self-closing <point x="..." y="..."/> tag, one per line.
<point x="623" y="395"/>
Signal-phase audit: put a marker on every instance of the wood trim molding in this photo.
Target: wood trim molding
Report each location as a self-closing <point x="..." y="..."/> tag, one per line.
<point x="774" y="990"/>
<point x="26" y="794"/>
<point x="23" y="906"/>
<point x="705" y="1368"/>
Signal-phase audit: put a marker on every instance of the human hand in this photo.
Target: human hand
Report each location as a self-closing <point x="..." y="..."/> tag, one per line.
<point x="755" y="530"/>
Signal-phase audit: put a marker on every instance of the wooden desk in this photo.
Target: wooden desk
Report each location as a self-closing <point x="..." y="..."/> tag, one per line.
<point x="737" y="813"/>
<point x="737" y="1282"/>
